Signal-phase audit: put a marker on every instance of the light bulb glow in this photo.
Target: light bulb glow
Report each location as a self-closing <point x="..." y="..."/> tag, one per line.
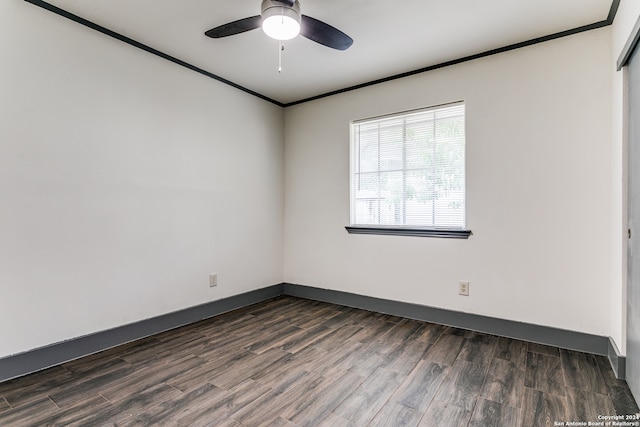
<point x="281" y="23"/>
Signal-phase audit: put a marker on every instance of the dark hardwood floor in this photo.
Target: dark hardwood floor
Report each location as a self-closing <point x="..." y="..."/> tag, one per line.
<point x="295" y="362"/>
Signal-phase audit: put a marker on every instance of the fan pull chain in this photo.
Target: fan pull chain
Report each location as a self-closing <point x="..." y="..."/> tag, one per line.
<point x="280" y="45"/>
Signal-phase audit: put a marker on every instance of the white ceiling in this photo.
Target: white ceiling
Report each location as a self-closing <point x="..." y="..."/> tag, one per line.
<point x="389" y="37"/>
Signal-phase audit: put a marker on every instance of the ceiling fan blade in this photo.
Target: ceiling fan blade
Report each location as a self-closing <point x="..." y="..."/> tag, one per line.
<point x="235" y="27"/>
<point x="324" y="34"/>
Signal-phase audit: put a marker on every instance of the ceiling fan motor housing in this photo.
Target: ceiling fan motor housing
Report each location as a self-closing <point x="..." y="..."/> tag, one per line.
<point x="294" y="9"/>
<point x="279" y="11"/>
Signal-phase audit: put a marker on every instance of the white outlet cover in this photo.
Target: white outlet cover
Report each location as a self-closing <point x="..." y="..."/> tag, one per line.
<point x="463" y="288"/>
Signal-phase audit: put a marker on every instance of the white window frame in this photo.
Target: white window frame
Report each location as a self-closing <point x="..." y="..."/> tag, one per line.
<point x="448" y="230"/>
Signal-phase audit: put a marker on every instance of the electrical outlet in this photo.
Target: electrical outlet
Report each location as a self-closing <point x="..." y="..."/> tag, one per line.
<point x="463" y="288"/>
<point x="213" y="280"/>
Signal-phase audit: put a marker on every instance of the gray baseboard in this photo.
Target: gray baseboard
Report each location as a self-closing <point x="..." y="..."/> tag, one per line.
<point x="617" y="361"/>
<point x="45" y="357"/>
<point x="571" y="340"/>
<point x="35" y="360"/>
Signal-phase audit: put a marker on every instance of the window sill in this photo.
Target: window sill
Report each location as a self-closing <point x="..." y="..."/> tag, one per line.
<point x="419" y="232"/>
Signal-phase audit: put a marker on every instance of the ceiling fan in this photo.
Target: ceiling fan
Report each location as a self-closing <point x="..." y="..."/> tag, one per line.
<point x="282" y="20"/>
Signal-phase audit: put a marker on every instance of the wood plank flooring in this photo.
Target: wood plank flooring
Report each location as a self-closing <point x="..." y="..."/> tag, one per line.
<point x="294" y="362"/>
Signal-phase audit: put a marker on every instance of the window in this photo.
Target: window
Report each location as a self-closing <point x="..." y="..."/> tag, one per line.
<point x="408" y="173"/>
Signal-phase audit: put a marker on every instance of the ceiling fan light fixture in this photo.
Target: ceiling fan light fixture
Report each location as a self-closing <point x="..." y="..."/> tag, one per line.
<point x="280" y="22"/>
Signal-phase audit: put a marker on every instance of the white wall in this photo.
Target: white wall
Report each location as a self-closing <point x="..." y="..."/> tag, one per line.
<point x="124" y="181"/>
<point x="626" y="18"/>
<point x="538" y="190"/>
<point x="116" y="166"/>
<point x="627" y="15"/>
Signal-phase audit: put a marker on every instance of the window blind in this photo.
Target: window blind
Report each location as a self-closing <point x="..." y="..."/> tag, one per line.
<point x="408" y="170"/>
